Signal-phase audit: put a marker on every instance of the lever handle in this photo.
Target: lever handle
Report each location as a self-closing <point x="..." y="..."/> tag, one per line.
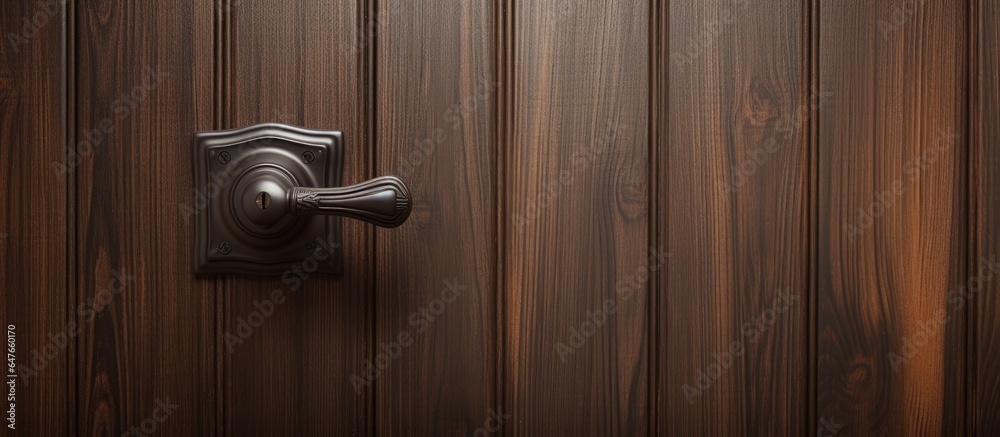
<point x="252" y="192"/>
<point x="383" y="201"/>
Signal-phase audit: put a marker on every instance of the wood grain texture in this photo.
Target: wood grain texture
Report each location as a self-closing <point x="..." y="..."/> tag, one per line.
<point x="436" y="283"/>
<point x="984" y="392"/>
<point x="892" y="212"/>
<point x="669" y="217"/>
<point x="577" y="247"/>
<point x="302" y="63"/>
<point x="146" y="349"/>
<point x="734" y="214"/>
<point x="659" y="122"/>
<point x="34" y="225"/>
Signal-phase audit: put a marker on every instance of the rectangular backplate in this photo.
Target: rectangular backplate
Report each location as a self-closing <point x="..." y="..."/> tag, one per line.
<point x="224" y="243"/>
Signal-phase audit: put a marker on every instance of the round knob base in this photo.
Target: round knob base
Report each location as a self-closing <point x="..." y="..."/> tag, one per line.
<point x="260" y="203"/>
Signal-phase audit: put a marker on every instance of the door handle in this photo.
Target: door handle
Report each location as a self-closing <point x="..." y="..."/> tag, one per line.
<point x="383" y="201"/>
<point x="270" y="196"/>
<point x="265" y="202"/>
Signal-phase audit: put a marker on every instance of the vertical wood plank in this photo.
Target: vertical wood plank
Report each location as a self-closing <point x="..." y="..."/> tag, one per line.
<point x="577" y="251"/>
<point x="436" y="283"/>
<point x="302" y="63"/>
<point x="985" y="129"/>
<point x="147" y="345"/>
<point x="659" y="76"/>
<point x="734" y="214"/>
<point x="893" y="217"/>
<point x="34" y="225"/>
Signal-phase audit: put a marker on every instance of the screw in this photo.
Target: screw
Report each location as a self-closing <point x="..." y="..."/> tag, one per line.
<point x="225" y="248"/>
<point x="310" y="247"/>
<point x="308" y="157"/>
<point x="224" y="157"/>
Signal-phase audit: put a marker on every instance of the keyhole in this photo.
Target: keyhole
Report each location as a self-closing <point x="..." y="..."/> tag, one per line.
<point x="263" y="200"/>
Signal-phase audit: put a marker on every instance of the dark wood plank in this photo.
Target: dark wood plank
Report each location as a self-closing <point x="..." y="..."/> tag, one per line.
<point x="892" y="214"/>
<point x="144" y="87"/>
<point x="436" y="283"/>
<point x="985" y="124"/>
<point x="659" y="121"/>
<point x="734" y="214"/>
<point x="35" y="175"/>
<point x="302" y="63"/>
<point x="577" y="229"/>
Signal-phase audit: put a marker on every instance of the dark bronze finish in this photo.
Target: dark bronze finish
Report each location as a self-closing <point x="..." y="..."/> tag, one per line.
<point x="383" y="201"/>
<point x="276" y="192"/>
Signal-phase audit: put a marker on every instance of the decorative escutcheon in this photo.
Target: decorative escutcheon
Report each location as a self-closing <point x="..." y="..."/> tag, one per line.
<point x="269" y="197"/>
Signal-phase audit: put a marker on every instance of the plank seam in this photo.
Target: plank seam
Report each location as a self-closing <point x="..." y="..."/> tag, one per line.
<point x="368" y="64"/>
<point x="221" y="32"/>
<point x="655" y="107"/>
<point x="812" y="126"/>
<point x="69" y="77"/>
<point x="503" y="50"/>
<point x="972" y="120"/>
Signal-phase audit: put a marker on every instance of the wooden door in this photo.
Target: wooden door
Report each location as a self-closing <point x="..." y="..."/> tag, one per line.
<point x="630" y="217"/>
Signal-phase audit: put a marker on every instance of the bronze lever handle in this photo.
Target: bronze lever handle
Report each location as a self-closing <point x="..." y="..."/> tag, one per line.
<point x="383" y="201"/>
<point x="262" y="187"/>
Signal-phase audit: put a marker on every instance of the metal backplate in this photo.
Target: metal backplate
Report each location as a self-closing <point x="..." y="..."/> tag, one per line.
<point x="225" y="242"/>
